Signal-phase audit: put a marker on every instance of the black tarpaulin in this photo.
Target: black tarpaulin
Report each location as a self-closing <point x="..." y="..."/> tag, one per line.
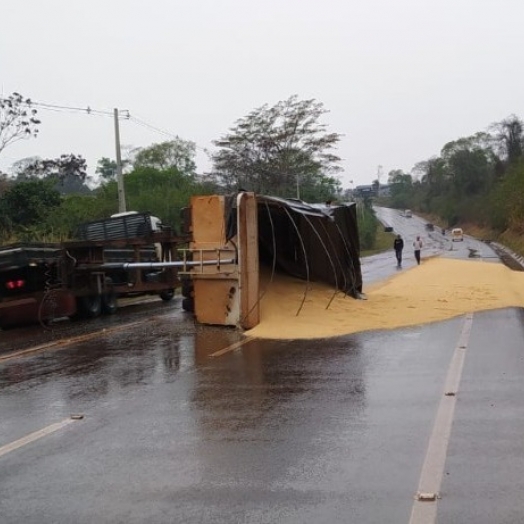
<point x="310" y="241"/>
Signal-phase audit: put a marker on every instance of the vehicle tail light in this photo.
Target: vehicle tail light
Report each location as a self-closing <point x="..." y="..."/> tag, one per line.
<point x="15" y="284"/>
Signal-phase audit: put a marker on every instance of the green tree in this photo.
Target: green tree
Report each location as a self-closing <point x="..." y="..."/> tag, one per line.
<point x="367" y="226"/>
<point x="4" y="183"/>
<point x="510" y="138"/>
<point x="18" y="119"/>
<point x="178" y="154"/>
<point x="508" y="200"/>
<point x="278" y="150"/>
<point x="28" y="203"/>
<point x="434" y="176"/>
<point x="55" y="168"/>
<point x="477" y="179"/>
<point x="106" y="169"/>
<point x="400" y="189"/>
<point x="161" y="192"/>
<point x="74" y="209"/>
<point x="470" y="171"/>
<point x="470" y="163"/>
<point x="67" y="172"/>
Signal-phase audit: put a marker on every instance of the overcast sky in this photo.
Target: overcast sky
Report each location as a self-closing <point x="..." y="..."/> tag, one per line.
<point x="399" y="77"/>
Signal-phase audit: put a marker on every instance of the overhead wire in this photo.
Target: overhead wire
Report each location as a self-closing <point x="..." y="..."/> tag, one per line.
<point x="143" y="123"/>
<point x="124" y="114"/>
<point x="55" y="107"/>
<point x="64" y="108"/>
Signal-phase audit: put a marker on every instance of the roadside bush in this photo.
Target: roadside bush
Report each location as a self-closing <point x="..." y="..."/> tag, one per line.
<point x="367" y="227"/>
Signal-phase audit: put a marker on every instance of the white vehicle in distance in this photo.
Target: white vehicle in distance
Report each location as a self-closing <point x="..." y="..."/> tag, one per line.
<point x="407" y="213"/>
<point x="457" y="235"/>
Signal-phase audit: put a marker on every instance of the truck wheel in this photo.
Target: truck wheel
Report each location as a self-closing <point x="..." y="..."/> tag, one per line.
<point x="188" y="304"/>
<point x="188" y="288"/>
<point x="109" y="300"/>
<point x="109" y="303"/>
<point x="90" y="306"/>
<point x="167" y="294"/>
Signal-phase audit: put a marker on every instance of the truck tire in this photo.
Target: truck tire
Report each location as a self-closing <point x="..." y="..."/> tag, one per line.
<point x="167" y="294"/>
<point x="109" y="299"/>
<point x="188" y="288"/>
<point x="89" y="306"/>
<point x="188" y="304"/>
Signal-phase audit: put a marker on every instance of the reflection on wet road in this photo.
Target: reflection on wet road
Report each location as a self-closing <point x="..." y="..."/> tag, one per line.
<point x="278" y="431"/>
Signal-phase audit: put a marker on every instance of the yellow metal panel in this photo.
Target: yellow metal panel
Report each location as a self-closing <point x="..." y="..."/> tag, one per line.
<point x="207" y="217"/>
<point x="225" y="294"/>
<point x="216" y="301"/>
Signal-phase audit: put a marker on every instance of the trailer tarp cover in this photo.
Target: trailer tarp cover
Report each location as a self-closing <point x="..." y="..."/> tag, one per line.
<point x="310" y="241"/>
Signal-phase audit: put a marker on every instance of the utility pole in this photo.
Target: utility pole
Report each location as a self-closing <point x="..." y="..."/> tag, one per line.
<point x="379" y="176"/>
<point x="119" y="175"/>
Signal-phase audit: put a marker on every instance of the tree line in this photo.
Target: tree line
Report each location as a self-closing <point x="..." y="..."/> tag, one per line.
<point x="283" y="150"/>
<point x="477" y="179"/>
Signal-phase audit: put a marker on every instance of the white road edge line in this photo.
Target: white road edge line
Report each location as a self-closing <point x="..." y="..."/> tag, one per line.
<point x="8" y="448"/>
<point x="425" y="511"/>
<point x="232" y="347"/>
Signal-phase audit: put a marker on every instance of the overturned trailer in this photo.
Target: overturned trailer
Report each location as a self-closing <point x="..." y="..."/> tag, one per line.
<point x="40" y="282"/>
<point x="311" y="242"/>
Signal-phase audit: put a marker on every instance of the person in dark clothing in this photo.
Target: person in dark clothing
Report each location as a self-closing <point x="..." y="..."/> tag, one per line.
<point x="398" y="246"/>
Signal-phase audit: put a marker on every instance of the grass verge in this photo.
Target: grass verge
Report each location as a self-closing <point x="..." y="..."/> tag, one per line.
<point x="383" y="242"/>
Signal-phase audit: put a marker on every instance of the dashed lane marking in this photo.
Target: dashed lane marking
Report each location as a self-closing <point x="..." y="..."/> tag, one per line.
<point x="8" y="448"/>
<point x="424" y="510"/>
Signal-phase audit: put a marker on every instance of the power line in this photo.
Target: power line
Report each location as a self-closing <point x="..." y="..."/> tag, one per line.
<point x="142" y="123"/>
<point x="63" y="108"/>
<point x="88" y="109"/>
<point x="125" y="114"/>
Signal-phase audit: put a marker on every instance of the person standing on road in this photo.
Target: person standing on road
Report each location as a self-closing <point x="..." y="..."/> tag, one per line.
<point x="398" y="246"/>
<point x="417" y="246"/>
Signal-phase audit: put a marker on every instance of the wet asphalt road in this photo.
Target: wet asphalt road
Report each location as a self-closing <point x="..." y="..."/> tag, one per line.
<point x="325" y="431"/>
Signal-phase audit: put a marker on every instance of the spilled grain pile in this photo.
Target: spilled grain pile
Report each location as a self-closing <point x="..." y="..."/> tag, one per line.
<point x="439" y="289"/>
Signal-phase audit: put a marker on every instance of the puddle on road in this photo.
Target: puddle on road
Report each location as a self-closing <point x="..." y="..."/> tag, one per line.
<point x="438" y="289"/>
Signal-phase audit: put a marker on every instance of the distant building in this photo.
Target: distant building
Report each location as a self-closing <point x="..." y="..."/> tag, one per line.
<point x="365" y="191"/>
<point x="370" y="191"/>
